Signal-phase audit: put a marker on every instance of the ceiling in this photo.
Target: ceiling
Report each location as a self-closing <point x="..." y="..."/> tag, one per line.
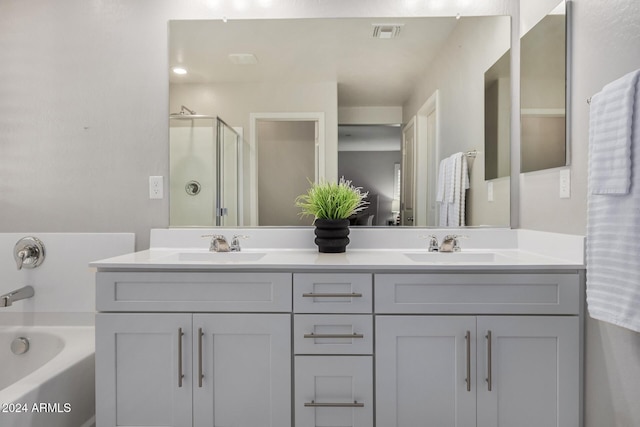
<point x="369" y="71"/>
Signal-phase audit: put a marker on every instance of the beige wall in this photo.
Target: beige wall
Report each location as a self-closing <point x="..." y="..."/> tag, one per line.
<point x="286" y="160"/>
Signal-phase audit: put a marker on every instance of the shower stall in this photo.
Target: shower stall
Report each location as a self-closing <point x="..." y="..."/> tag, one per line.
<point x="205" y="161"/>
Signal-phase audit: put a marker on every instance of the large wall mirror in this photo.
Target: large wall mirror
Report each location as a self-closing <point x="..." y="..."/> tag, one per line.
<point x="272" y="104"/>
<point x="543" y="53"/>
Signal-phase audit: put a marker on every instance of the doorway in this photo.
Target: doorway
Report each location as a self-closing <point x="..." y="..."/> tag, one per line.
<point x="286" y="154"/>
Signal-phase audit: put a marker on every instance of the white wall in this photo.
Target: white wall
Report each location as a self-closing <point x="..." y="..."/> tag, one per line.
<point x="606" y="42"/>
<point x="64" y="285"/>
<point x="458" y="74"/>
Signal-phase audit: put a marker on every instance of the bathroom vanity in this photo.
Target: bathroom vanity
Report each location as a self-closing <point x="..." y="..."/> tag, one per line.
<point x="386" y="337"/>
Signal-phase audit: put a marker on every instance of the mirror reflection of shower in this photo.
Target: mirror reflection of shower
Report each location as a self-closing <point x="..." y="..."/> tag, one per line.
<point x="183" y="111"/>
<point x="203" y="149"/>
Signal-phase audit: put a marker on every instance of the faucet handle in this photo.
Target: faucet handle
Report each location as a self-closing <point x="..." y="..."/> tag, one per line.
<point x="453" y="239"/>
<point x="235" y="242"/>
<point x="433" y="242"/>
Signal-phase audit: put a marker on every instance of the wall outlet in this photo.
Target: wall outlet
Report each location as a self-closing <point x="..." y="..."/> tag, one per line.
<point x="489" y="191"/>
<point x="565" y="183"/>
<point x="156" y="187"/>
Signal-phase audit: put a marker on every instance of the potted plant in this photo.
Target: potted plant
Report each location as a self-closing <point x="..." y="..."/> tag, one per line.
<point x="332" y="204"/>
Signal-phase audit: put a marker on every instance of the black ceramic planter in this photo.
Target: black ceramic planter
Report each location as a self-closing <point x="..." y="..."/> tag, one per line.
<point x="332" y="235"/>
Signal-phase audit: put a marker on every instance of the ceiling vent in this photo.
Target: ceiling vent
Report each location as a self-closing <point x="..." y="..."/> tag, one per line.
<point x="386" y="31"/>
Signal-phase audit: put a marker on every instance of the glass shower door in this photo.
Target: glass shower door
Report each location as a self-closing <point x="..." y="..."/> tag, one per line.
<point x="229" y="201"/>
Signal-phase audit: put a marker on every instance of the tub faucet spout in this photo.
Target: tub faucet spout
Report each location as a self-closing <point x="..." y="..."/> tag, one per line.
<point x="8" y="299"/>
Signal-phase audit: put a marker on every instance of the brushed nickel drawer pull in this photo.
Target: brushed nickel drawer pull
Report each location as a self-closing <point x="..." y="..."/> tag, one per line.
<point x="313" y="404"/>
<point x="354" y="335"/>
<point x="332" y="295"/>
<point x="468" y="339"/>
<point x="200" y="375"/>
<point x="180" y="373"/>
<point x="488" y="336"/>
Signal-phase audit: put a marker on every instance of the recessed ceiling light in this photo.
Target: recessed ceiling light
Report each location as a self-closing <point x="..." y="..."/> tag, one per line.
<point x="179" y="70"/>
<point x="243" y="58"/>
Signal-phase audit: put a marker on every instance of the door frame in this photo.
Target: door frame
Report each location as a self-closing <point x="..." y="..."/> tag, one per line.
<point x="320" y="147"/>
<point x="426" y="153"/>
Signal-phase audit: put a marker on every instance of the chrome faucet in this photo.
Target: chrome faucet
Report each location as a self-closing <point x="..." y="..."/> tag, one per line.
<point x="7" y="300"/>
<point x="235" y="242"/>
<point x="28" y="252"/>
<point x="219" y="243"/>
<point x="450" y="243"/>
<point x="433" y="243"/>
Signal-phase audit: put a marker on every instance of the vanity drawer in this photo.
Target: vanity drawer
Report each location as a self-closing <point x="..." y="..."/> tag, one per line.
<point x="333" y="334"/>
<point x="193" y="292"/>
<point x="333" y="391"/>
<point x="332" y="293"/>
<point x="478" y="293"/>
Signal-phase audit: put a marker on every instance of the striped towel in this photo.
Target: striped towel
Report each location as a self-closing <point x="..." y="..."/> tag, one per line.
<point x="613" y="222"/>
<point x="460" y="183"/>
<point x="453" y="181"/>
<point x="610" y="136"/>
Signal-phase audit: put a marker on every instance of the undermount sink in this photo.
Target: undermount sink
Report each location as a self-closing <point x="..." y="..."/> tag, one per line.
<point x="220" y="257"/>
<point x="452" y="256"/>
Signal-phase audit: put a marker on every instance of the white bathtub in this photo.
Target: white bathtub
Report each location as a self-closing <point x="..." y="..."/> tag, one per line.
<point x="52" y="384"/>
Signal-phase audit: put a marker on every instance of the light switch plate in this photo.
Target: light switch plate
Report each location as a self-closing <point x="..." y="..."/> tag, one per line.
<point x="489" y="191"/>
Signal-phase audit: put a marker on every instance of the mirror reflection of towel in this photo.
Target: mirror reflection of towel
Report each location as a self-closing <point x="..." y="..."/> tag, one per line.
<point x="453" y="181"/>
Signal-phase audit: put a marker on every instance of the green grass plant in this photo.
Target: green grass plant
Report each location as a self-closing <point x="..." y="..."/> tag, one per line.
<point x="330" y="200"/>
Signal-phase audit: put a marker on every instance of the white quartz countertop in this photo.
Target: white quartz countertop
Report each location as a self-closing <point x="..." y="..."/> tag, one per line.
<point x="357" y="259"/>
<point x="369" y="250"/>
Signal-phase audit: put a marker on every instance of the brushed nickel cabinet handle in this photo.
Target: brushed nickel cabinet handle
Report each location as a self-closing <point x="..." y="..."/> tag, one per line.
<point x="488" y="336"/>
<point x="200" y="375"/>
<point x="354" y="335"/>
<point x="313" y="404"/>
<point x="332" y="295"/>
<point x="180" y="373"/>
<point x="468" y="339"/>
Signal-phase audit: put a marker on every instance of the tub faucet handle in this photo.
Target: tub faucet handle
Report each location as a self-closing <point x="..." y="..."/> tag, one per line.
<point x="28" y="253"/>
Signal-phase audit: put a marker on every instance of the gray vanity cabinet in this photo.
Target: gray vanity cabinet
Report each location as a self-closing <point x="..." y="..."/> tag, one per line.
<point x="333" y="345"/>
<point x="485" y="370"/>
<point x="339" y="348"/>
<point x="138" y="370"/>
<point x="199" y="368"/>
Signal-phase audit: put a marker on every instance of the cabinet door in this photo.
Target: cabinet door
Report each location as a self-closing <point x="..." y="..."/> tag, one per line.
<point x="242" y="370"/>
<point x="424" y="371"/>
<point x="534" y="371"/>
<point x="334" y="391"/>
<point x="140" y="360"/>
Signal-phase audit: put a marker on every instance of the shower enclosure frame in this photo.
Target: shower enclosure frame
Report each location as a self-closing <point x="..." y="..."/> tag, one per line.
<point x="219" y="211"/>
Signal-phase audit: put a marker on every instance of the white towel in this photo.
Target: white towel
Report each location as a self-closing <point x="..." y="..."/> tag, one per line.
<point x="453" y="180"/>
<point x="459" y="185"/>
<point x="610" y="123"/>
<point x="613" y="240"/>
